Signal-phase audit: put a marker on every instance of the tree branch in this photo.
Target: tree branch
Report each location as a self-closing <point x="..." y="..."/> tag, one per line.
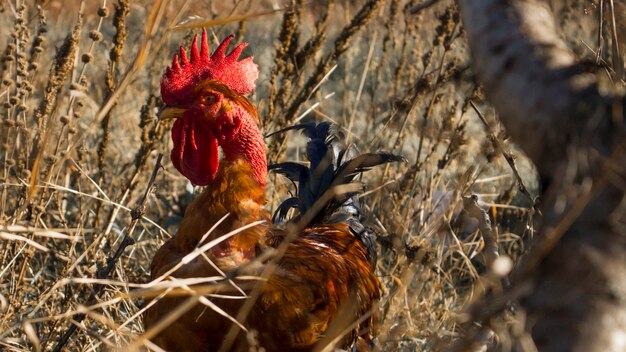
<point x="574" y="133"/>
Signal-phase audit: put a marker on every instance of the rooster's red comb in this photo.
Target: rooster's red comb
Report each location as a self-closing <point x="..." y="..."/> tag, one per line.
<point x="179" y="79"/>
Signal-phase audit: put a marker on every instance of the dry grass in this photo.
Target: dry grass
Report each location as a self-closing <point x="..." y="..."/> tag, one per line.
<point x="80" y="138"/>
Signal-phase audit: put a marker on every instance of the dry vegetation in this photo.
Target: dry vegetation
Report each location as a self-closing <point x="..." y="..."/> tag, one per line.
<point x="80" y="138"/>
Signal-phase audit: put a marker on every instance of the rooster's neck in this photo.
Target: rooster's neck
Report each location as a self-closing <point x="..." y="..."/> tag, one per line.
<point x="249" y="147"/>
<point x="234" y="199"/>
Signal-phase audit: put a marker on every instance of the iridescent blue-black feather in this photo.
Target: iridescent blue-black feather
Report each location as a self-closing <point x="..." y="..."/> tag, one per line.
<point x="332" y="163"/>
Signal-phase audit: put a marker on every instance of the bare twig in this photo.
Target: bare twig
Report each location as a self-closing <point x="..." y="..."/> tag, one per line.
<point x="508" y="156"/>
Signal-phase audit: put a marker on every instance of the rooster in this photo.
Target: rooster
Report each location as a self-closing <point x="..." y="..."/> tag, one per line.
<point x="323" y="289"/>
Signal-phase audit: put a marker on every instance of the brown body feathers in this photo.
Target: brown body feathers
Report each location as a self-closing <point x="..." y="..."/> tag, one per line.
<point x="323" y="279"/>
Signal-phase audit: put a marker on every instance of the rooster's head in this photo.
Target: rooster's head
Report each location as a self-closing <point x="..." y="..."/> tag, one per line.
<point x="205" y="95"/>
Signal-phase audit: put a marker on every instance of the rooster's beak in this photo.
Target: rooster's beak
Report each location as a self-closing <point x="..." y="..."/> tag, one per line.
<point x="169" y="113"/>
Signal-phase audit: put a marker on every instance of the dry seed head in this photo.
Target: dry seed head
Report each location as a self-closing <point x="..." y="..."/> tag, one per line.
<point x="14" y="100"/>
<point x="50" y="159"/>
<point x="95" y="35"/>
<point x="122" y="8"/>
<point x="42" y="15"/>
<point x="103" y="12"/>
<point x="39" y="40"/>
<point x="87" y="58"/>
<point x="7" y="82"/>
<point x="72" y="130"/>
<point x="427" y="58"/>
<point x="59" y="73"/>
<point x="27" y="86"/>
<point x="65" y="119"/>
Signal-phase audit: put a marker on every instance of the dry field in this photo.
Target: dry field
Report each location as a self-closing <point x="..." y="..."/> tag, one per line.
<point x="80" y="139"/>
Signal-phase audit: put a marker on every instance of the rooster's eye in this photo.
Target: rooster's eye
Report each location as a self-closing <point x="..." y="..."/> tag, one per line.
<point x="209" y="99"/>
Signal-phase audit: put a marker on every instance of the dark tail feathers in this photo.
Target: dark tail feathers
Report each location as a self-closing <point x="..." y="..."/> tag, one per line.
<point x="332" y="164"/>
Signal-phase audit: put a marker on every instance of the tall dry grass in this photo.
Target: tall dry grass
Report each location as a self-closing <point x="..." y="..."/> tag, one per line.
<point x="80" y="139"/>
